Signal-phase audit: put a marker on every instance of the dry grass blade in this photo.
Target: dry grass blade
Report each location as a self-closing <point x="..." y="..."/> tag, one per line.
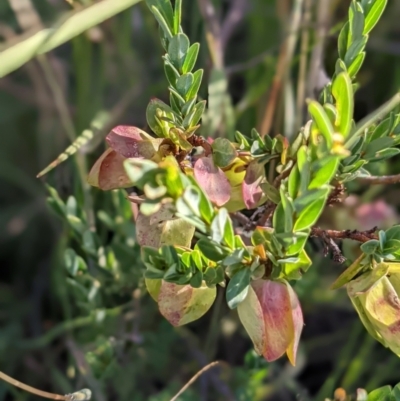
<point x="195" y="377"/>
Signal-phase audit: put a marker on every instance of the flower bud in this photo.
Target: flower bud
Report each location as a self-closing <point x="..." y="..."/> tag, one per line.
<point x="272" y="316"/>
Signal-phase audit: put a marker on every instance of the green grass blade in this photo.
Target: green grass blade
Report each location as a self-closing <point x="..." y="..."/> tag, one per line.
<point x="47" y="39"/>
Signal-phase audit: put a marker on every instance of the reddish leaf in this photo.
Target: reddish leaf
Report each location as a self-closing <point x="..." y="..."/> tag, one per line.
<point x="112" y="173"/>
<point x="212" y="180"/>
<point x="251" y="189"/>
<point x="275" y="304"/>
<point x="272" y="316"/>
<point x="132" y="142"/>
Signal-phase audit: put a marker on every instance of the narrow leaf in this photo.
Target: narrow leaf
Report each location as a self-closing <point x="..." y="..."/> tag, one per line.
<point x="322" y="121"/>
<point x="191" y="58"/>
<point x="343" y="92"/>
<point x="238" y="288"/>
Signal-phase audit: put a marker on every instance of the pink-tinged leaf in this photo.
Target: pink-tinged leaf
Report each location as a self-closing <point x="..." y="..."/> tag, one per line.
<point x="182" y="304"/>
<point x="251" y="189"/>
<point x="212" y="180"/>
<point x="132" y="142"/>
<point x="272" y="316"/>
<point x="252" y="317"/>
<point x="112" y="173"/>
<point x="298" y="324"/>
<point x="108" y="172"/>
<point x="147" y="234"/>
<point x="93" y="177"/>
<point x="275" y="304"/>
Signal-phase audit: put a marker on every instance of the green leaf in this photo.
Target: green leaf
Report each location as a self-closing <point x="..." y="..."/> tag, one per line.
<point x="354" y="50"/>
<point x="271" y="192"/>
<point x="218" y="225"/>
<point x="383" y="129"/>
<point x="197" y="77"/>
<point x="229" y="234"/>
<point x="162" y="21"/>
<point x="191" y="58"/>
<point x="177" y="50"/>
<point x="331" y="111"/>
<point x="177" y="16"/>
<point x="180" y="99"/>
<point x="188" y="107"/>
<point x="356" y="65"/>
<point x="349" y="273"/>
<point x="309" y="215"/>
<point x="205" y="206"/>
<point x="184" y="84"/>
<point x="191" y="197"/>
<point x="238" y="288"/>
<point x="380" y="394"/>
<point x="210" y="276"/>
<point x="304" y="168"/>
<point x="385" y="154"/>
<point x="299" y="241"/>
<point x="170" y="74"/>
<point x="396" y="392"/>
<point x="322" y="121"/>
<point x="327" y="168"/>
<point x="343" y="40"/>
<point x="374" y="14"/>
<point x="165" y="9"/>
<point x="292" y="270"/>
<point x="294" y="182"/>
<point x="356" y="20"/>
<point x="370" y="247"/>
<point x="343" y="93"/>
<point x="288" y="210"/>
<point x="197" y="279"/>
<point x="151" y="115"/>
<point x="73" y="262"/>
<point x="211" y="250"/>
<point x="393" y="233"/>
<point x="224" y="153"/>
<point x="195" y="116"/>
<point x="278" y="220"/>
<point x="309" y="197"/>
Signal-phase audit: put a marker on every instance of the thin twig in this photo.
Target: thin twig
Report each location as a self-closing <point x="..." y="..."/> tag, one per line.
<point x="195" y="377"/>
<point x="384" y="179"/>
<point x="82" y="395"/>
<point x="356" y="235"/>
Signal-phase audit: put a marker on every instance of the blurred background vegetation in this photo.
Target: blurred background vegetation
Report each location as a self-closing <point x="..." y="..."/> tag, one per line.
<point x="73" y="309"/>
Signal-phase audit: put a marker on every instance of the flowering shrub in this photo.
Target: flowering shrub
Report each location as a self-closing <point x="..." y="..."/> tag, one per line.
<point x="190" y="190"/>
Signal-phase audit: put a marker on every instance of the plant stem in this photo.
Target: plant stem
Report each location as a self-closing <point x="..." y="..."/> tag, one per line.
<point x="361" y="236"/>
<point x="194" y="378"/>
<point x="30" y="389"/>
<point x="384" y="179"/>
